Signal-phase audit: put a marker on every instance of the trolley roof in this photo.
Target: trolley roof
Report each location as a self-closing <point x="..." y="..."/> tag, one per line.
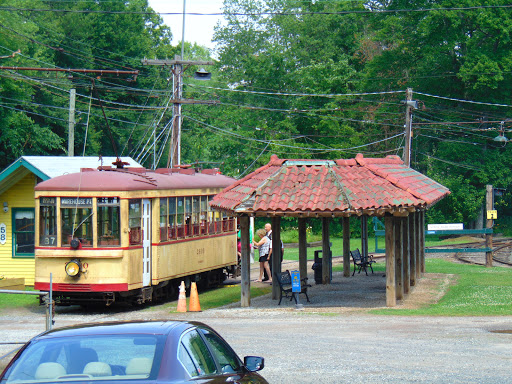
<point x="135" y="179"/>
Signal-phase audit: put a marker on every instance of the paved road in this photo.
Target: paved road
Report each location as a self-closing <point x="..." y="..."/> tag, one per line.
<point x="304" y="347"/>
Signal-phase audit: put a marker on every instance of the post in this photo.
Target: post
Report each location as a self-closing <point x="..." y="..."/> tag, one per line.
<point x="177" y="89"/>
<point x="408" y="128"/>
<point x="245" y="287"/>
<point x="346" y="246"/>
<point x="418" y="243"/>
<point x="71" y="123"/>
<point x="412" y="247"/>
<point x="326" y="251"/>
<point x="364" y="236"/>
<point x="303" y="250"/>
<point x="276" y="254"/>
<point x="399" y="275"/>
<point x="422" y="240"/>
<point x="406" y="255"/>
<point x="390" y="262"/>
<point x="488" y="224"/>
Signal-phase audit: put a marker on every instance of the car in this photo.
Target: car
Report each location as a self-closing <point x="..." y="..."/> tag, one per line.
<point x="131" y="352"/>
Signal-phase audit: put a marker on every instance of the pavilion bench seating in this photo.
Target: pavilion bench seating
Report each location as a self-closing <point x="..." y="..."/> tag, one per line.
<point x="361" y="262"/>
<point x="285" y="285"/>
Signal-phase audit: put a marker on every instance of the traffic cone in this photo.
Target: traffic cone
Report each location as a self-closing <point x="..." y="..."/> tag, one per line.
<point x="182" y="299"/>
<point x="194" y="299"/>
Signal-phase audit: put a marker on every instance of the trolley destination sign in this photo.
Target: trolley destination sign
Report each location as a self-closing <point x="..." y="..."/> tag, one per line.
<point x="75" y="201"/>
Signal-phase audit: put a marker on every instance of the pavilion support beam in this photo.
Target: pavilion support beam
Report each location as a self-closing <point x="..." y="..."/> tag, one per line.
<point x="326" y="252"/>
<point x="276" y="254"/>
<point x="303" y="248"/>
<point x="390" y="261"/>
<point x="346" y="246"/>
<point x="364" y="236"/>
<point x="399" y="272"/>
<point x="412" y="248"/>
<point x="406" y="255"/>
<point x="418" y="245"/>
<point x="422" y="239"/>
<point x="245" y="287"/>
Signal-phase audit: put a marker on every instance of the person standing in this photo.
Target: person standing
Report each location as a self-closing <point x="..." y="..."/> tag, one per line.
<point x="264" y="249"/>
<point x="268" y="230"/>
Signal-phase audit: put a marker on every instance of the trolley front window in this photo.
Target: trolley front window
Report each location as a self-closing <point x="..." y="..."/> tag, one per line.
<point x="135" y="221"/>
<point x="76" y="220"/>
<point x="108" y="221"/>
<point x="48" y="221"/>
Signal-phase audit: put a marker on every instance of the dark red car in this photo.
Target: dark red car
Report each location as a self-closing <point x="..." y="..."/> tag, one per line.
<point x="131" y="352"/>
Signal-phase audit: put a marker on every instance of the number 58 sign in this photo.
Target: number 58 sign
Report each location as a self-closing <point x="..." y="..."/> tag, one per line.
<point x="3" y="233"/>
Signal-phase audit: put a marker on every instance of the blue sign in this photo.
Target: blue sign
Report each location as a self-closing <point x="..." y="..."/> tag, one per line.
<point x="295" y="281"/>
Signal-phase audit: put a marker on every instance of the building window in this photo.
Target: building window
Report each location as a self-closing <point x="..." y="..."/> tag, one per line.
<point x="23" y="232"/>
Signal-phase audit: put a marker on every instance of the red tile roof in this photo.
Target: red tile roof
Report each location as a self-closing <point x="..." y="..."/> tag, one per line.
<point x="324" y="187"/>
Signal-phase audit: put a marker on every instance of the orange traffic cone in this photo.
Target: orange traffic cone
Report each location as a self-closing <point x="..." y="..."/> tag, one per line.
<point x="194" y="299"/>
<point x="182" y="299"/>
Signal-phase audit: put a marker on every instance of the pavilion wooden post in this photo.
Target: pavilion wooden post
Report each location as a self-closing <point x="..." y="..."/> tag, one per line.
<point x="326" y="252"/>
<point x="276" y="254"/>
<point x="422" y="241"/>
<point x="346" y="246"/>
<point x="364" y="235"/>
<point x="418" y="244"/>
<point x="245" y="286"/>
<point x="390" y="262"/>
<point x="412" y="247"/>
<point x="399" y="273"/>
<point x="303" y="250"/>
<point x="407" y="255"/>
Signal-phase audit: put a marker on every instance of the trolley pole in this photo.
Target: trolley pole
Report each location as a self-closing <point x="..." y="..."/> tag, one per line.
<point x="178" y="67"/>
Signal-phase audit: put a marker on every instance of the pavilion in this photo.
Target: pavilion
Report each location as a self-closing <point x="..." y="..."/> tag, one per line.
<point x="327" y="189"/>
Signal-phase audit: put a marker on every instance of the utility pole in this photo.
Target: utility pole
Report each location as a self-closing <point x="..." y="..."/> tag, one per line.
<point x="178" y="67"/>
<point x="488" y="236"/>
<point x="409" y="105"/>
<point x="71" y="126"/>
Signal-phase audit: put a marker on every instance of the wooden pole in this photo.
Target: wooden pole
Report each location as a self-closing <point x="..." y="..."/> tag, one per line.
<point x="364" y="236"/>
<point x="406" y="255"/>
<point x="422" y="242"/>
<point x="245" y="287"/>
<point x="346" y="246"/>
<point x="418" y="244"/>
<point x="399" y="273"/>
<point x="303" y="250"/>
<point x="326" y="250"/>
<point x="276" y="254"/>
<point x="390" y="262"/>
<point x="412" y="247"/>
<point x="488" y="224"/>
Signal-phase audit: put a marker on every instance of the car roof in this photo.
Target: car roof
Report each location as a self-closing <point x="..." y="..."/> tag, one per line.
<point x="153" y="327"/>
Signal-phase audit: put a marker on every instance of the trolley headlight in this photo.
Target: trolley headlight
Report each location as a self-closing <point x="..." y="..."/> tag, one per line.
<point x="73" y="268"/>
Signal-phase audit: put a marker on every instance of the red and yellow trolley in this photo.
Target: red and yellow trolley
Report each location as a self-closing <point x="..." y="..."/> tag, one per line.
<point x="109" y="235"/>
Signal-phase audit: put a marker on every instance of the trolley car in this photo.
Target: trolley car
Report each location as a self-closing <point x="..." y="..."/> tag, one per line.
<point x="110" y="235"/>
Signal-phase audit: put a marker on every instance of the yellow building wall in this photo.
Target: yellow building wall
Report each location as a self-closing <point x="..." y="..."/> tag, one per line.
<point x="21" y="195"/>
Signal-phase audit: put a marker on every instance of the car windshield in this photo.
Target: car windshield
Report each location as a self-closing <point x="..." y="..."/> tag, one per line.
<point x="103" y="357"/>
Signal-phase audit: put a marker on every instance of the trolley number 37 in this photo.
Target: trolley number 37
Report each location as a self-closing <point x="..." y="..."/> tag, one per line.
<point x="49" y="240"/>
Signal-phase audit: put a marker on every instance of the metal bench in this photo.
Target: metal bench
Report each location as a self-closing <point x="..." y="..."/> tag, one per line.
<point x="360" y="262"/>
<point x="285" y="286"/>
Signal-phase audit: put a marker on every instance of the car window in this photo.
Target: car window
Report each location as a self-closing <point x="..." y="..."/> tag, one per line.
<point x="195" y="356"/>
<point x="224" y="354"/>
<point x="103" y="357"/>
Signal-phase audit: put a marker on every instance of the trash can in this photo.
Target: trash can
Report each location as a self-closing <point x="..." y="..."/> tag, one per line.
<point x="317" y="267"/>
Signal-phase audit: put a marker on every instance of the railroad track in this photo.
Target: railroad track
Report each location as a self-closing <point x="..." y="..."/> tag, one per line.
<point x="502" y="252"/>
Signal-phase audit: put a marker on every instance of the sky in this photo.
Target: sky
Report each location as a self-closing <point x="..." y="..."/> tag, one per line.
<point x="198" y="28"/>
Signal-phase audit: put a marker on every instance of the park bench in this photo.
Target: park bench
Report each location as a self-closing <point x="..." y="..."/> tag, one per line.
<point x="285" y="285"/>
<point x="361" y="262"/>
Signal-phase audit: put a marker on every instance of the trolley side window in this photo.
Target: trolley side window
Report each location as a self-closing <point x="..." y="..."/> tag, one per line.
<point x="188" y="216"/>
<point x="135" y="221"/>
<point x="164" y="224"/>
<point x="196" y="207"/>
<point x="76" y="220"/>
<point x="47" y="222"/>
<point x="108" y="221"/>
<point x="173" y="232"/>
<point x="203" y="215"/>
<point x="180" y="216"/>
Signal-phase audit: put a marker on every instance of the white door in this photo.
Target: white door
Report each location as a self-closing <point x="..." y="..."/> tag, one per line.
<point x="146" y="242"/>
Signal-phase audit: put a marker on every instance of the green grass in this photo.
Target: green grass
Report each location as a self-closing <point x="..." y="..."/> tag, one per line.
<point x="221" y="296"/>
<point x="10" y="300"/>
<point x="479" y="291"/>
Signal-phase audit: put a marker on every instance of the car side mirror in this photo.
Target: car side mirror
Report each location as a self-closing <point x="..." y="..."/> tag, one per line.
<point x="254" y="363"/>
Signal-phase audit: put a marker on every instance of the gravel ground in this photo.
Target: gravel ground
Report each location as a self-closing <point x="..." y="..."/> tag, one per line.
<point x="333" y="339"/>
